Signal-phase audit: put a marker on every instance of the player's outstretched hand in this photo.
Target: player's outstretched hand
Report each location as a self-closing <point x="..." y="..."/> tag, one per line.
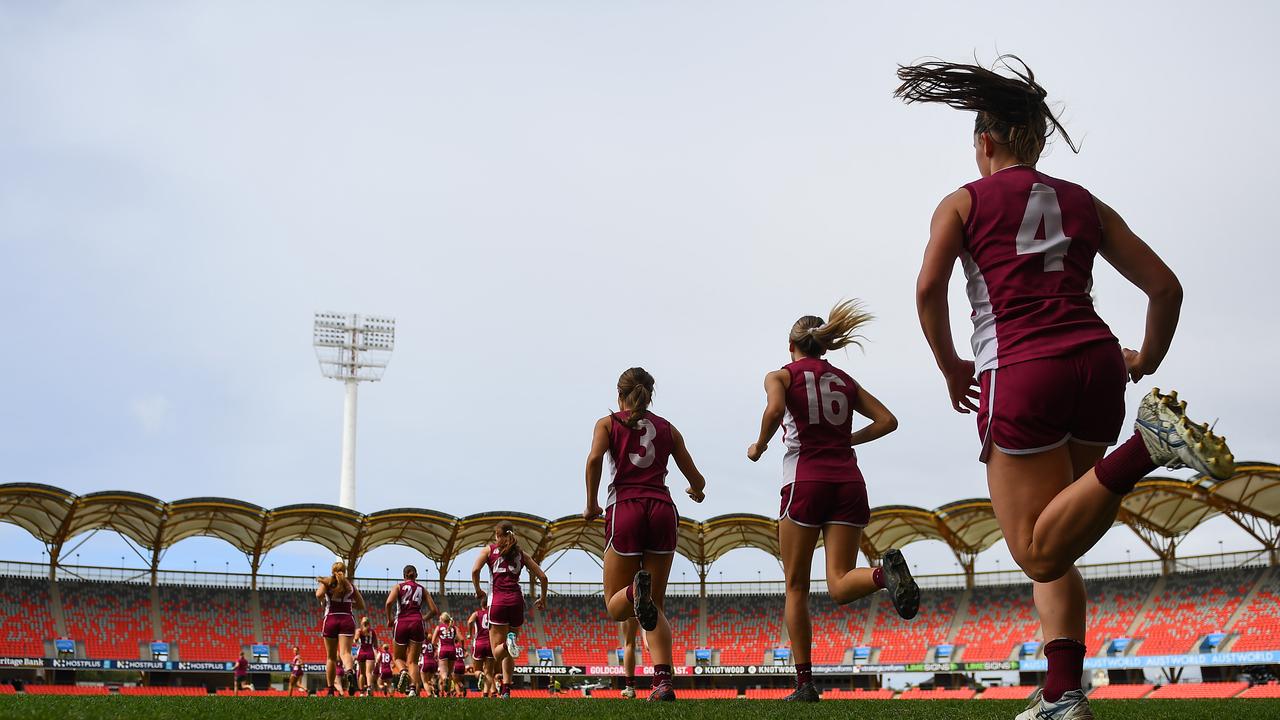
<point x="592" y="512"/>
<point x="962" y="386"/>
<point x="755" y="451"/>
<point x="695" y="495"/>
<point x="540" y="603"/>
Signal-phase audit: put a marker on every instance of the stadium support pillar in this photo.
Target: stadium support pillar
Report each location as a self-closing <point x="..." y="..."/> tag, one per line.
<point x="967" y="561"/>
<point x="442" y="572"/>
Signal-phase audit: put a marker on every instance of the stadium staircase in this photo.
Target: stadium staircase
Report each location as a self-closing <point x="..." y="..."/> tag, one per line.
<point x="957" y="622"/>
<point x="1249" y="609"/>
<point x="1156" y="591"/>
<point x="55" y="605"/>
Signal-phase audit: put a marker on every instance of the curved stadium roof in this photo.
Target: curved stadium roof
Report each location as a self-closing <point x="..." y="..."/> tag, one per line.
<point x="1160" y="510"/>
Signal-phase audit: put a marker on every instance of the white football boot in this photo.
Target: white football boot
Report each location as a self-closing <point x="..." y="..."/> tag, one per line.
<point x="1073" y="705"/>
<point x="1175" y="442"/>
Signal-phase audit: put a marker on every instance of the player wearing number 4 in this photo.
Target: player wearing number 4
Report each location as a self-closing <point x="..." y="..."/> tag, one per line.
<point x="1050" y="375"/>
<point x="404" y="617"/>
<point x="641" y="520"/>
<point x="823" y="489"/>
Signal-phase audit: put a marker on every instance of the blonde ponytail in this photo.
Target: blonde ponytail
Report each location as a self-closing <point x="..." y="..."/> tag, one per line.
<point x="815" y="337"/>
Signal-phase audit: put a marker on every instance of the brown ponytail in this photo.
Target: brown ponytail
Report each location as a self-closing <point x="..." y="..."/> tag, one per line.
<point x="814" y="336"/>
<point x="635" y="390"/>
<point x="1012" y="110"/>
<point x="338" y="586"/>
<point x="513" y="551"/>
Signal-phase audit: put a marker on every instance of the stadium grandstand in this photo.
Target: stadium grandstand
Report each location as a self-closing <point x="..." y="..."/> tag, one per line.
<point x="1218" y="613"/>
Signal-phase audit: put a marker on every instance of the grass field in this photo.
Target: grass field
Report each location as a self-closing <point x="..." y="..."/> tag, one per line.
<point x="217" y="708"/>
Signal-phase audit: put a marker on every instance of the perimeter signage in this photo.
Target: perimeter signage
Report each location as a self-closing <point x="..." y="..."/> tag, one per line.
<point x="550" y="670"/>
<point x="1167" y="661"/>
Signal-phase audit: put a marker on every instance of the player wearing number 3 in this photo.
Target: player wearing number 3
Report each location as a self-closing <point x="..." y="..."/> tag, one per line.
<point x="1050" y="374"/>
<point x="823" y="489"/>
<point x="641" y="519"/>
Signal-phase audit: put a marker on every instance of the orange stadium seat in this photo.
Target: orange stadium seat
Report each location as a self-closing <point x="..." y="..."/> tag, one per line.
<point x="292" y="618"/>
<point x="25" y="616"/>
<point x="1008" y="692"/>
<point x="1199" y="691"/>
<point x="6" y="689"/>
<point x="937" y="694"/>
<point x="707" y="694"/>
<point x="858" y="694"/>
<point x="907" y="641"/>
<point x="112" y="619"/>
<point x="1258" y="626"/>
<point x="1112" y="606"/>
<point x="580" y="629"/>
<point x="768" y="693"/>
<point x="162" y="690"/>
<point x="188" y="613"/>
<point x="1120" y="692"/>
<point x="1270" y="690"/>
<point x="66" y="690"/>
<point x="998" y="619"/>
<point x="743" y="628"/>
<point x="1191" y="605"/>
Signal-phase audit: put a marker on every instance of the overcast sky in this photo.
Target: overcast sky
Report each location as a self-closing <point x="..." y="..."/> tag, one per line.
<point x="546" y="193"/>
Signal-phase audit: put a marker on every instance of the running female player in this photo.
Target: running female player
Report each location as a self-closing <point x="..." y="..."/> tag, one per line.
<point x="430" y="669"/>
<point x="338" y="596"/>
<point x="295" y="673"/>
<point x="445" y="638"/>
<point x="460" y="669"/>
<point x="641" y="522"/>
<point x="1050" y="375"/>
<point x="404" y="617"/>
<point x="481" y="649"/>
<point x="505" y="560"/>
<point x="366" y="642"/>
<point x="385" y="664"/>
<point x="823" y="490"/>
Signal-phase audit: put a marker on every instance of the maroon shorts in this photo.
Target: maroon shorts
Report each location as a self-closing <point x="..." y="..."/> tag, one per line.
<point x="386" y="676"/>
<point x="1038" y="405"/>
<point x="459" y="667"/>
<point x="482" y="651"/>
<point x="363" y="655"/>
<point x="643" y="525"/>
<point x="409" y="629"/>
<point x="814" y="503"/>
<point x="335" y="625"/>
<point x="446" y="657"/>
<point x="506" y="610"/>
<point x="431" y="667"/>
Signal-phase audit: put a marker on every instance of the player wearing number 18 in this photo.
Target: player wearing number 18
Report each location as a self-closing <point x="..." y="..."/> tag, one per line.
<point x="823" y="489"/>
<point x="641" y="520"/>
<point x="1050" y="376"/>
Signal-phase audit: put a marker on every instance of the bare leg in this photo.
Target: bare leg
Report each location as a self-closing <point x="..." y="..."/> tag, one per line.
<point x="659" y="567"/>
<point x="412" y="652"/>
<point x="630" y="629"/>
<point x="344" y="651"/>
<point x="797" y="543"/>
<point x="501" y="655"/>
<point x="845" y="582"/>
<point x="619" y="570"/>
<point x="330" y="660"/>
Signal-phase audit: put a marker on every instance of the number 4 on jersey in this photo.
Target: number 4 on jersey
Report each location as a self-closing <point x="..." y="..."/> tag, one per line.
<point x="1043" y="210"/>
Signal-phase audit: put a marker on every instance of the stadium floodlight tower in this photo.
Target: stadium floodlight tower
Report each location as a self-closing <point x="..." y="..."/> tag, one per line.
<point x="352" y="348"/>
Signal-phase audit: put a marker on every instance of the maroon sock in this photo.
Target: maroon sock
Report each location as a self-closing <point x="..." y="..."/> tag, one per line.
<point x="631" y="681"/>
<point x="661" y="675"/>
<point x="1125" y="466"/>
<point x="1066" y="665"/>
<point x="877" y="577"/>
<point x="804" y="673"/>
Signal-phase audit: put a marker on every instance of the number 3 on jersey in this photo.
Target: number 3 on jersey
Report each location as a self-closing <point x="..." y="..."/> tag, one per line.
<point x="1043" y="210"/>
<point x="643" y="461"/>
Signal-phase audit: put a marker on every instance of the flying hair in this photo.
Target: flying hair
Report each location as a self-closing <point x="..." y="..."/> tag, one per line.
<point x="635" y="389"/>
<point x="513" y="551"/>
<point x="815" y="337"/>
<point x="1012" y="110"/>
<point x="338" y="586"/>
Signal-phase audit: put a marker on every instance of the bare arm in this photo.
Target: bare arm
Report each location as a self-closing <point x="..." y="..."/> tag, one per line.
<point x="946" y="239"/>
<point x="431" y="603"/>
<point x="536" y="571"/>
<point x="323" y="591"/>
<point x="1140" y="265"/>
<point x="882" y="421"/>
<point x="595" y="463"/>
<point x="775" y="391"/>
<point x="392" y="598"/>
<point x="684" y="461"/>
<point x="475" y="574"/>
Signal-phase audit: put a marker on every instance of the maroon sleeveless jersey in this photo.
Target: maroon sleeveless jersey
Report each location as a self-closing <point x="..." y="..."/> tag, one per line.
<point x="817" y="424"/>
<point x="409" y="601"/>
<point x="446" y="635"/>
<point x="638" y="458"/>
<point x="480" y="627"/>
<point x="1029" y="245"/>
<point x="504" y="576"/>
<point x="335" y="605"/>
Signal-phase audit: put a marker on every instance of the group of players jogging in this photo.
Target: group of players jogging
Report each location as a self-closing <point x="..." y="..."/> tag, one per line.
<point x="1046" y="383"/>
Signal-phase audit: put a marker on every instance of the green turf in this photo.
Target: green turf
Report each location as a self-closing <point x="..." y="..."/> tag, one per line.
<point x="217" y="708"/>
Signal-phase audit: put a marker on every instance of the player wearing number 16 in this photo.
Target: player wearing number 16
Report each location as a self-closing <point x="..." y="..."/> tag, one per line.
<point x="1050" y="375"/>
<point x="823" y="490"/>
<point x="641" y="520"/>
